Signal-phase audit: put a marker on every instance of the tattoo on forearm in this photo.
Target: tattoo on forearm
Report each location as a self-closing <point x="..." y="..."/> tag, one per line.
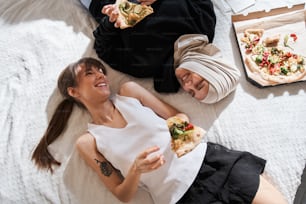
<point x="105" y="167"/>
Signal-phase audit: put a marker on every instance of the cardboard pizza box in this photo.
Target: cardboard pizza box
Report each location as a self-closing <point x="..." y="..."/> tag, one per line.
<point x="284" y="22"/>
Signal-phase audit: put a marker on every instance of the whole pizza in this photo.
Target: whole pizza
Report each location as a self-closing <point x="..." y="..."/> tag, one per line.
<point x="273" y="59"/>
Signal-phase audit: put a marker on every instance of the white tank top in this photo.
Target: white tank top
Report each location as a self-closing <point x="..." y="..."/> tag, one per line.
<point x="144" y="129"/>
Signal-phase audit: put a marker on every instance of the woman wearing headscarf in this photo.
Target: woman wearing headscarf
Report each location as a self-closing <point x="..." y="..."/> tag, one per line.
<point x="146" y="50"/>
<point x="193" y="54"/>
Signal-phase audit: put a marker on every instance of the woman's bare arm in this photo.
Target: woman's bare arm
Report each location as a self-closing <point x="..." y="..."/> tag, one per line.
<point x="160" y="107"/>
<point x="123" y="188"/>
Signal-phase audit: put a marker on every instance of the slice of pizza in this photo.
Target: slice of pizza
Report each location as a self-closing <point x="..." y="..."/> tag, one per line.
<point x="131" y="13"/>
<point x="184" y="136"/>
<point x="251" y="38"/>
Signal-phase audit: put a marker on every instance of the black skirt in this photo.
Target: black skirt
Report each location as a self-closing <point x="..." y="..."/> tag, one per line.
<point x="226" y="176"/>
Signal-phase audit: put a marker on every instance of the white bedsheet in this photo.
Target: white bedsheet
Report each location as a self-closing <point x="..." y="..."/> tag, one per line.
<point x="39" y="38"/>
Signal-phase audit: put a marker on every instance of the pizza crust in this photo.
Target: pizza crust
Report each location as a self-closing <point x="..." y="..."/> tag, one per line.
<point x="188" y="146"/>
<point x="272" y="40"/>
<point x="255" y="31"/>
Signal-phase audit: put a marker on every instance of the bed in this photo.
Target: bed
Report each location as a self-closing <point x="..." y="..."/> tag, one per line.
<point x="39" y="38"/>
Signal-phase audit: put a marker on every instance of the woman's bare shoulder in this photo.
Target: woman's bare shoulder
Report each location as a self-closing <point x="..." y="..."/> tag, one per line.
<point x="85" y="142"/>
<point x="131" y="89"/>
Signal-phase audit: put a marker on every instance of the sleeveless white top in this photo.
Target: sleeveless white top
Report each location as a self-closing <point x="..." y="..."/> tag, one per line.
<point x="144" y="129"/>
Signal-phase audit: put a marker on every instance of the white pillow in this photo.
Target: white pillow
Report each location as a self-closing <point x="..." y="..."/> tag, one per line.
<point x="62" y="147"/>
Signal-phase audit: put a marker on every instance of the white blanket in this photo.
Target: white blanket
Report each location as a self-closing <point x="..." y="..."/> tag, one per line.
<point x="39" y="38"/>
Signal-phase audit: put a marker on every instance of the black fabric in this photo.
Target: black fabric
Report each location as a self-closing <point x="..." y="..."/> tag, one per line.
<point x="95" y="8"/>
<point x="146" y="50"/>
<point x="226" y="176"/>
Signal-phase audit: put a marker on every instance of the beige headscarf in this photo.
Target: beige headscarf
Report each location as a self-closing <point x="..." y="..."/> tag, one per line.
<point x="194" y="53"/>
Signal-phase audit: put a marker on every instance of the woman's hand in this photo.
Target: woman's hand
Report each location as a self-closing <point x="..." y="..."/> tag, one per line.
<point x="145" y="163"/>
<point x="112" y="12"/>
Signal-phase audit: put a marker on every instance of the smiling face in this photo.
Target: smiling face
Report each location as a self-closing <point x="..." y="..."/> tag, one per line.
<point x="91" y="85"/>
<point x="192" y="83"/>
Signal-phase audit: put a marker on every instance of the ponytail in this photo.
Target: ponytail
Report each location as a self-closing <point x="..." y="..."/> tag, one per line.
<point x="41" y="156"/>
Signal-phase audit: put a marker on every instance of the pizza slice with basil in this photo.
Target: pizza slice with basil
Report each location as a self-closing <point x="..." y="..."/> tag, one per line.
<point x="184" y="135"/>
<point x="131" y="13"/>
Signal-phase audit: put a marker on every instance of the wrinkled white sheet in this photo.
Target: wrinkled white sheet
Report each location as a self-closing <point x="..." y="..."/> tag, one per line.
<point x="39" y="38"/>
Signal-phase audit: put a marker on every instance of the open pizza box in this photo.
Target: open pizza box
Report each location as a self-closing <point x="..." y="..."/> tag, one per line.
<point x="287" y="23"/>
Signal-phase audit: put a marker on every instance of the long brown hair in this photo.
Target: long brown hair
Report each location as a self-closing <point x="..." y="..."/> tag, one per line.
<point x="41" y="156"/>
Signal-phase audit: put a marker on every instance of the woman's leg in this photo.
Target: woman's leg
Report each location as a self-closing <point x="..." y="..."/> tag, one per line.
<point x="267" y="193"/>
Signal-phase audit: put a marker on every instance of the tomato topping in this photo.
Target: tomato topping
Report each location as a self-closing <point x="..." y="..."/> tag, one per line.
<point x="265" y="61"/>
<point x="293" y="35"/>
<point x="288" y="54"/>
<point x="272" y="69"/>
<point x="188" y="127"/>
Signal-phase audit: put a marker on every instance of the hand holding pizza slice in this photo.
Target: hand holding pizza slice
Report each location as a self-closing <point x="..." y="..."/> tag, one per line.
<point x="184" y="135"/>
<point x="129" y="13"/>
